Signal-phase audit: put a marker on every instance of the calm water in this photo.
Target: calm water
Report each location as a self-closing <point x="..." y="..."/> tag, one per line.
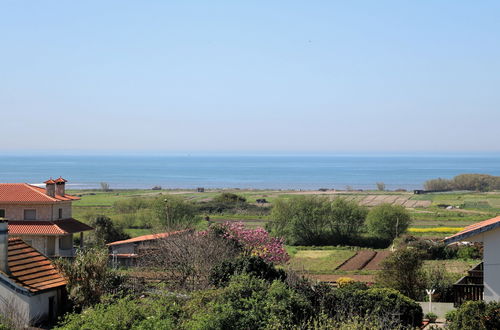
<point x="277" y="172"/>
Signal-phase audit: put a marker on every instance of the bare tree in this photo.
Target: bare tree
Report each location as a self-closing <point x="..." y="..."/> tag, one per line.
<point x="184" y="261"/>
<point x="105" y="186"/>
<point x="380" y="186"/>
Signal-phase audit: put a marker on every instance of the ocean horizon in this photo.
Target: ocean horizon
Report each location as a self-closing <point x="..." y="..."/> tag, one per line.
<point x="251" y="171"/>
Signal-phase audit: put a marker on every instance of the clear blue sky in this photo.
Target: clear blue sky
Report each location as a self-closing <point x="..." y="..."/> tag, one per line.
<point x="250" y="75"/>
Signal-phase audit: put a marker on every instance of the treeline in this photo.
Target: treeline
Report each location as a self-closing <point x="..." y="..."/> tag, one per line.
<point x="475" y="182"/>
<point x="316" y="220"/>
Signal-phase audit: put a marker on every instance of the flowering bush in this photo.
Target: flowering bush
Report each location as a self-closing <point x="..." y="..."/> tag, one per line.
<point x="255" y="242"/>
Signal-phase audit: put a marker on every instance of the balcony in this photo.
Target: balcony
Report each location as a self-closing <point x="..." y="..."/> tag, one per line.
<point x="470" y="287"/>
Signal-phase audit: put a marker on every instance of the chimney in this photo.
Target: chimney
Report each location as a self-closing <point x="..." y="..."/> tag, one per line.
<point x="50" y="187"/>
<point x="60" y="186"/>
<point x="4" y="246"/>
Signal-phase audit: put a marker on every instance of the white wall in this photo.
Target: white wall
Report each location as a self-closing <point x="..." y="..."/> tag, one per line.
<point x="491" y="260"/>
<point x="26" y="309"/>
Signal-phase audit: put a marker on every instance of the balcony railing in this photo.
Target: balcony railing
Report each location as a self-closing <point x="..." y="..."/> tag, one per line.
<point x="470" y="287"/>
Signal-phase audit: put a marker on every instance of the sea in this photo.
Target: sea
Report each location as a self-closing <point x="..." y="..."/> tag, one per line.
<point x="244" y="171"/>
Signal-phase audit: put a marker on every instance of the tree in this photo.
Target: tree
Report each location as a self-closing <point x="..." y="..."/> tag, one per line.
<point x="89" y="276"/>
<point x="388" y="221"/>
<point x="345" y="220"/>
<point x="185" y="260"/>
<point x="254" y="242"/>
<point x="314" y="220"/>
<point x="403" y="271"/>
<point x="106" y="231"/>
<point x="380" y="186"/>
<point x="302" y="219"/>
<point x="175" y="213"/>
<point x="230" y="198"/>
<point x="105" y="186"/>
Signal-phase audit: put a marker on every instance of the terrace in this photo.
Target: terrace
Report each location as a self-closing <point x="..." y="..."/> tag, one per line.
<point x="470" y="287"/>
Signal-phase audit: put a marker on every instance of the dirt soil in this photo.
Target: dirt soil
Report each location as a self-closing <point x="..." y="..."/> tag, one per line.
<point x="358" y="261"/>
<point x="375" y="263"/>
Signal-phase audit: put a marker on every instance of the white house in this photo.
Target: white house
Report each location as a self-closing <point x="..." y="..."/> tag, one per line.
<point x="488" y="233"/>
<point x="31" y="288"/>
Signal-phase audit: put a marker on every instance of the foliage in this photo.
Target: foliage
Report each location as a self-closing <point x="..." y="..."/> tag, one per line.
<point x="344" y="281"/>
<point x="402" y="271"/>
<point x="250" y="303"/>
<point x="450" y="315"/>
<point x="127" y="313"/>
<point x="442" y="281"/>
<point x="105" y="231"/>
<point x="476" y="315"/>
<point x="105" y="186"/>
<point x="385" y="304"/>
<point x="475" y="182"/>
<point x="89" y="277"/>
<point x="255" y="242"/>
<point x="380" y="186"/>
<point x="229" y="198"/>
<point x="430" y="316"/>
<point x="253" y="265"/>
<point x="345" y="219"/>
<point x="302" y="220"/>
<point x="314" y="220"/>
<point x="388" y="221"/>
<point x="175" y="213"/>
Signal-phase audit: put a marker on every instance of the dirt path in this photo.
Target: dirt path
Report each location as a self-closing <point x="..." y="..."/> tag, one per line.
<point x="358" y="261"/>
<point x="375" y="263"/>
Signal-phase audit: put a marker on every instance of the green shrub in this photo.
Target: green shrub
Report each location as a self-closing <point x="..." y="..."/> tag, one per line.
<point x="249" y="303"/>
<point x="127" y="313"/>
<point x="254" y="266"/>
<point x="477" y="315"/>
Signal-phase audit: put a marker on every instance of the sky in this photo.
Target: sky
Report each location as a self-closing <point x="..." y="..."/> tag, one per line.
<point x="248" y="76"/>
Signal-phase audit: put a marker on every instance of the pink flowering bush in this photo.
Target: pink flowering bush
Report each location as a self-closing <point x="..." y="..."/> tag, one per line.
<point x="256" y="242"/>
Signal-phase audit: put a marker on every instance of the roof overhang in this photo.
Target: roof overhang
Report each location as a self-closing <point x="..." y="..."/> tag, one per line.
<point x="471" y="234"/>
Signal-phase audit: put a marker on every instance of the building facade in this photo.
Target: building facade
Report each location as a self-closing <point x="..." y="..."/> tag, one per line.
<point x="42" y="217"/>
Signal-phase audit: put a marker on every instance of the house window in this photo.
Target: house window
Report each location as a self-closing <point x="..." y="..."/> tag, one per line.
<point x="2" y="213"/>
<point x="60" y="213"/>
<point x="29" y="214"/>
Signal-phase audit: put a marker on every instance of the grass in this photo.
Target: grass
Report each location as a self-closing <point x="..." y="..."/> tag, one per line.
<point x="319" y="261"/>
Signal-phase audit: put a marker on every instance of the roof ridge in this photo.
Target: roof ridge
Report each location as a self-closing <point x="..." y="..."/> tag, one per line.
<point x="35" y="189"/>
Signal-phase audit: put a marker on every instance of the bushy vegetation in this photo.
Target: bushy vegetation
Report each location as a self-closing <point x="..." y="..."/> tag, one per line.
<point x="174" y="213"/>
<point x="250" y="302"/>
<point x="313" y="220"/>
<point x="106" y="231"/>
<point x="316" y="220"/>
<point x="474" y="182"/>
<point x="388" y="221"/>
<point x="476" y="315"/>
<point x="89" y="277"/>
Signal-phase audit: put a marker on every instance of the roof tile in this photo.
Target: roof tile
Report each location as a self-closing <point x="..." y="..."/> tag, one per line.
<point x="18" y="193"/>
<point x="35" y="272"/>
<point x="42" y="227"/>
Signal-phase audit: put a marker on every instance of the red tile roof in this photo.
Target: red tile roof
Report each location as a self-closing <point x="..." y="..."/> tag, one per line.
<point x="60" y="180"/>
<point x="474" y="229"/>
<point x="49" y="181"/>
<point x="21" y="193"/>
<point x="145" y="238"/>
<point x="31" y="269"/>
<point x="41" y="227"/>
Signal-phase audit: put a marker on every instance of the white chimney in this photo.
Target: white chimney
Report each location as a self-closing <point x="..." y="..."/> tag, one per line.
<point x="4" y="246"/>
